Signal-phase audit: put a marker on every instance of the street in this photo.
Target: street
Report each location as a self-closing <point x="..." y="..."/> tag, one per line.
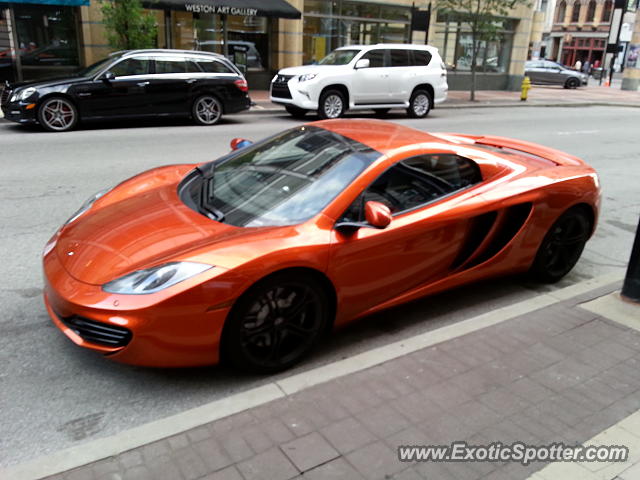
<point x="55" y="395"/>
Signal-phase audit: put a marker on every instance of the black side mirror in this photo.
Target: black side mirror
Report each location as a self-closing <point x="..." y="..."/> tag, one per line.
<point x="107" y="76"/>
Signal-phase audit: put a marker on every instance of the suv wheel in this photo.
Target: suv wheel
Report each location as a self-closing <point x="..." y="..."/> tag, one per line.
<point x="420" y="104"/>
<point x="332" y="104"/>
<point x="296" y="112"/>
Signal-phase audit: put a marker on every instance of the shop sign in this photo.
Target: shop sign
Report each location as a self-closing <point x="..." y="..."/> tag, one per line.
<point x="220" y="9"/>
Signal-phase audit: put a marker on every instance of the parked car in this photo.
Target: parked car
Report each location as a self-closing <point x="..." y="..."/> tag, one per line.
<point x="545" y="72"/>
<point x="252" y="257"/>
<point x="378" y="77"/>
<point x="137" y="83"/>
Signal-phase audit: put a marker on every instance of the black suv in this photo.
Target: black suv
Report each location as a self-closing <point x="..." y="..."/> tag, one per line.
<point x="136" y="83"/>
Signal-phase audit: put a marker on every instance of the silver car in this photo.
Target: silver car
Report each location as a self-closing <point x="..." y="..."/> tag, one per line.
<point x="545" y="72"/>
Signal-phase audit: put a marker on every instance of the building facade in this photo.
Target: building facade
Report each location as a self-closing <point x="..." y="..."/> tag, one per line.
<point x="58" y="36"/>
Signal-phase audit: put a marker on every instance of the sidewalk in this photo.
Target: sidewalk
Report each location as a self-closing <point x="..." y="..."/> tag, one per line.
<point x="550" y="369"/>
<point x="550" y="96"/>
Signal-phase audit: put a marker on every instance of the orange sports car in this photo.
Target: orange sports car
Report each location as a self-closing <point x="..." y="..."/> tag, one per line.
<point x="252" y="257"/>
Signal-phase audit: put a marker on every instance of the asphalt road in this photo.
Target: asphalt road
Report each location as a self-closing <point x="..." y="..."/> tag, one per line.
<point x="54" y="395"/>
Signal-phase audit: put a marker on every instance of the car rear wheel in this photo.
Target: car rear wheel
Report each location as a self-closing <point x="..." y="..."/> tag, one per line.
<point x="332" y="105"/>
<point x="206" y="110"/>
<point x="562" y="246"/>
<point x="296" y="112"/>
<point x="419" y="104"/>
<point x="57" y="114"/>
<point x="572" y="83"/>
<point x="275" y="323"/>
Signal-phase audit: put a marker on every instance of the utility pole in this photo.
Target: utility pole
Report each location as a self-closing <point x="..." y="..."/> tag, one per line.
<point x="631" y="77"/>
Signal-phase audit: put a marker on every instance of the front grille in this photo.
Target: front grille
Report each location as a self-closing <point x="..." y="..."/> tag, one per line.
<point x="280" y="88"/>
<point x="4" y="96"/>
<point x="98" y="332"/>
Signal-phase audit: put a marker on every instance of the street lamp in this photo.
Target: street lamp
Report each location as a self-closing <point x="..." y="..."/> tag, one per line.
<point x="631" y="287"/>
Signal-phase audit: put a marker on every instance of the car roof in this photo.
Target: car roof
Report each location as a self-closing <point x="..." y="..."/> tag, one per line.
<point x="391" y="46"/>
<point x="378" y="134"/>
<point x="165" y="51"/>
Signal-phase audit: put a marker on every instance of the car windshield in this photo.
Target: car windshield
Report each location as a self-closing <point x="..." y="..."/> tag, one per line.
<point x="339" y="57"/>
<point x="284" y="180"/>
<point x="94" y="69"/>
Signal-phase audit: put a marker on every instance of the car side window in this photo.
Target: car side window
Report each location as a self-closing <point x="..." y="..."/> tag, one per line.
<point x="131" y="66"/>
<point x="175" y="65"/>
<point x="213" y="66"/>
<point x="421" y="58"/>
<point x="415" y="182"/>
<point x="375" y="57"/>
<point x="399" y="58"/>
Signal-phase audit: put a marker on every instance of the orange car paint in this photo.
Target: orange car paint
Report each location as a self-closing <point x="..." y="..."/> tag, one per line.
<point x="142" y="222"/>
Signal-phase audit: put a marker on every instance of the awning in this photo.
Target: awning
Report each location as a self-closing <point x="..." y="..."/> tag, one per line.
<point x="68" y="3"/>
<point x="245" y="8"/>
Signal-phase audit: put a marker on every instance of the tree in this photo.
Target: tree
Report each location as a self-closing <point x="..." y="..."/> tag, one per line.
<point x="482" y="16"/>
<point x="128" y="26"/>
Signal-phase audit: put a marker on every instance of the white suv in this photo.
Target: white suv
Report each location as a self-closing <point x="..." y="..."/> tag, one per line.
<point x="359" y="77"/>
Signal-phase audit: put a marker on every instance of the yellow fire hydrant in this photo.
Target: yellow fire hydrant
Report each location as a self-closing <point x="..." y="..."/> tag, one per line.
<point x="524" y="88"/>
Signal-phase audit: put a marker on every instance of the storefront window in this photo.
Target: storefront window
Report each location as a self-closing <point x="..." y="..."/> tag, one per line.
<point x="329" y="25"/>
<point x="47" y="39"/>
<point x="493" y="55"/>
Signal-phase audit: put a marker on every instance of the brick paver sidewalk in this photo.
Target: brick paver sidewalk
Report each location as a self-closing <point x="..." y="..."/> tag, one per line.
<point x="558" y="374"/>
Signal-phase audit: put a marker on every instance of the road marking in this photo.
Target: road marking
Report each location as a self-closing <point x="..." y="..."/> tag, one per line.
<point x="578" y="132"/>
<point x="101" y="448"/>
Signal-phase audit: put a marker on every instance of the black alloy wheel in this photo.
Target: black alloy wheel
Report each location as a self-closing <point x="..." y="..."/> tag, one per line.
<point x="562" y="246"/>
<point x="276" y="323"/>
<point x="572" y="83"/>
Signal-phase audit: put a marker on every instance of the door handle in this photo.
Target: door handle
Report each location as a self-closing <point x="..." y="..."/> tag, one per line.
<point x="142" y="84"/>
<point x="192" y="80"/>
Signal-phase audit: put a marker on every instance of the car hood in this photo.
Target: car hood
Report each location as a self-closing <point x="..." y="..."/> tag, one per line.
<point x="49" y="82"/>
<point x="306" y="69"/>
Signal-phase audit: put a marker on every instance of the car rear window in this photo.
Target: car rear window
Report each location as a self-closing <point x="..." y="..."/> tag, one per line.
<point x="214" y="66"/>
<point x="421" y="58"/>
<point x="399" y="58"/>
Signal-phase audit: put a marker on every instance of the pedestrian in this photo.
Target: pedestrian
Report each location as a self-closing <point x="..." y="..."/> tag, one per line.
<point x="586" y="68"/>
<point x="578" y="65"/>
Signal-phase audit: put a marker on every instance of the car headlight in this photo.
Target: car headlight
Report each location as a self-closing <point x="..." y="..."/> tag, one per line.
<point x="154" y="279"/>
<point x="24" y="94"/>
<point x="88" y="203"/>
<point x="307" y="77"/>
<point x="274" y="78"/>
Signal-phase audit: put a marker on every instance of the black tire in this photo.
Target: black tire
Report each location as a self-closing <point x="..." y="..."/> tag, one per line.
<point x="264" y="334"/>
<point x="381" y="112"/>
<point x="420" y="104"/>
<point x="206" y="110"/>
<point x="572" y="83"/>
<point x="562" y="246"/>
<point x="296" y="112"/>
<point x="332" y="105"/>
<point x="57" y="114"/>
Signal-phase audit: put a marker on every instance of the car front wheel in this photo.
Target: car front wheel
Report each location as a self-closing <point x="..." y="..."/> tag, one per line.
<point x="562" y="246"/>
<point x="332" y="105"/>
<point x="572" y="83"/>
<point x="419" y="104"/>
<point x="206" y="110"/>
<point x="57" y="114"/>
<point x="275" y="323"/>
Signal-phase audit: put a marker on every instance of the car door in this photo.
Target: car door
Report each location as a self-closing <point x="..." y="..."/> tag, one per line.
<point x="534" y="71"/>
<point x="401" y="75"/>
<point x="419" y="245"/>
<point x="370" y="85"/>
<point x="123" y="95"/>
<point x="553" y="73"/>
<point x="171" y="83"/>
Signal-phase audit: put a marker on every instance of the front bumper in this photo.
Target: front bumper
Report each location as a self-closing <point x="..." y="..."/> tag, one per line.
<point x="301" y="95"/>
<point x="165" y="331"/>
<point x="20" y="112"/>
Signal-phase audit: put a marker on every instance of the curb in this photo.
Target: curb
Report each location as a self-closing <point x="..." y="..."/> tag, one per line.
<point x="262" y="111"/>
<point x="77" y="456"/>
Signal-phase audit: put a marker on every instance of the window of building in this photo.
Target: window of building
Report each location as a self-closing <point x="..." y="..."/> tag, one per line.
<point x="591" y="11"/>
<point x="606" y="11"/>
<point x="561" y="12"/>
<point x="575" y="13"/>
